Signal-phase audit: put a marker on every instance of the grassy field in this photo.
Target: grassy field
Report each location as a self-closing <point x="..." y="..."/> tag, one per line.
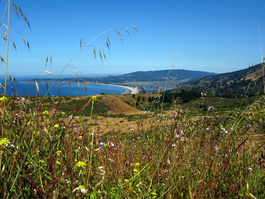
<point x="122" y="146"/>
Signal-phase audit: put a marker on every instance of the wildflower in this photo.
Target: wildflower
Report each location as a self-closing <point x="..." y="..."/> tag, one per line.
<point x="63" y="113"/>
<point x="80" y="164"/>
<point x="137" y="164"/>
<point x="81" y="188"/>
<point x="45" y="112"/>
<point x="58" y="162"/>
<point x="111" y="144"/>
<point x="135" y="170"/>
<point x="216" y="148"/>
<point x="58" y="152"/>
<point x="4" y="141"/>
<point x="56" y="126"/>
<point x="80" y="137"/>
<point x="42" y="161"/>
<point x="29" y="122"/>
<point x="94" y="98"/>
<point x="211" y="108"/>
<point x="126" y="180"/>
<point x="101" y="144"/>
<point x="4" y="98"/>
<point x="223" y="129"/>
<point x="153" y="194"/>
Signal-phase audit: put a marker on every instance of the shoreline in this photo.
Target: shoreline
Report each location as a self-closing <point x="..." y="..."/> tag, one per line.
<point x="131" y="90"/>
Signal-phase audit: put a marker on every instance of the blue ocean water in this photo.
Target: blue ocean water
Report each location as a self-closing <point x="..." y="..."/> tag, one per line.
<point x="61" y="89"/>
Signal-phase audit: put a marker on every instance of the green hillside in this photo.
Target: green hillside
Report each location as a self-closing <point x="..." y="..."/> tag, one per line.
<point x="248" y="82"/>
<point x="140" y="78"/>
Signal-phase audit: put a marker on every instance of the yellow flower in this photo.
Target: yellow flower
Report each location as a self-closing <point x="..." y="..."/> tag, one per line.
<point x="57" y="162"/>
<point x="135" y="170"/>
<point x="80" y="164"/>
<point x="3" y="141"/>
<point x="58" y="152"/>
<point x="94" y="98"/>
<point x="126" y="180"/>
<point x="153" y="193"/>
<point x="42" y="161"/>
<point x="29" y="122"/>
<point x="63" y="113"/>
<point x="56" y="126"/>
<point x="81" y="187"/>
<point x="137" y="164"/>
<point x="45" y="112"/>
<point x="4" y="98"/>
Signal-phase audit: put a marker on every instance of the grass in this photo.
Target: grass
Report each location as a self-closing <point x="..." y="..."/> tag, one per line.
<point x="57" y="148"/>
<point x="50" y="154"/>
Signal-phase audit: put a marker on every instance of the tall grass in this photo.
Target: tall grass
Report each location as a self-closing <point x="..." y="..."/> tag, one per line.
<point x="47" y="153"/>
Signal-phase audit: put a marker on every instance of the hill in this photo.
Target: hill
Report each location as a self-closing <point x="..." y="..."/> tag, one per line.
<point x="142" y="78"/>
<point x="152" y="78"/>
<point x="248" y="81"/>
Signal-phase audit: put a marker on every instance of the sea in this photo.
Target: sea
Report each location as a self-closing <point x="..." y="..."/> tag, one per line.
<point x="22" y="88"/>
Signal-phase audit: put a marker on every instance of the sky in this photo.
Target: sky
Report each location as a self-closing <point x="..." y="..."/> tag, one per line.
<point x="201" y="35"/>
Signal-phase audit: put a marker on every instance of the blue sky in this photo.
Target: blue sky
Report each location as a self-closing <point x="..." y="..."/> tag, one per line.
<point x="206" y="35"/>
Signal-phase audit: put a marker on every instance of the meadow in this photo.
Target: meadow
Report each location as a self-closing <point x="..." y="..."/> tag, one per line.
<point x="185" y="151"/>
<point x="80" y="148"/>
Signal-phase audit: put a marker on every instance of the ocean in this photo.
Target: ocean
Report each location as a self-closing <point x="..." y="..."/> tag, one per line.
<point x="61" y="89"/>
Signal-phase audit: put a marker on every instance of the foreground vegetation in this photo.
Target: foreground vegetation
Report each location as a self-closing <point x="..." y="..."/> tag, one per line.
<point x="47" y="153"/>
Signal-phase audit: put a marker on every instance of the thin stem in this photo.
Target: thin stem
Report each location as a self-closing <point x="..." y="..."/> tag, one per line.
<point x="71" y="60"/>
<point x="7" y="45"/>
<point x="6" y="74"/>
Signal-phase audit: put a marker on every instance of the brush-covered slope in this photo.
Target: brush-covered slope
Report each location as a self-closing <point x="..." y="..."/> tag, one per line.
<point x="248" y="81"/>
<point x="150" y="76"/>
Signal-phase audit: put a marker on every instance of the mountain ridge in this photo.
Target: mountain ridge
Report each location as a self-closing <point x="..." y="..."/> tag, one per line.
<point x="248" y="81"/>
<point x="141" y="78"/>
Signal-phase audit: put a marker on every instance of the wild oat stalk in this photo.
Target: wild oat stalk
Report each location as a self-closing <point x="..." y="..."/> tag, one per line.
<point x="6" y="75"/>
<point x="83" y="45"/>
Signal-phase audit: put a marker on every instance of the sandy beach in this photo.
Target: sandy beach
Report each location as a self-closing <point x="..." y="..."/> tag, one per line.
<point x="132" y="90"/>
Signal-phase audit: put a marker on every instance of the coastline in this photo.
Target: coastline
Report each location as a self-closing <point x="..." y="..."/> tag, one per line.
<point x="131" y="90"/>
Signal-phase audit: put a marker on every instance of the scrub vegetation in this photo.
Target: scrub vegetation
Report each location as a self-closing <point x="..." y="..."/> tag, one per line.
<point x="180" y="153"/>
<point x="204" y="147"/>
